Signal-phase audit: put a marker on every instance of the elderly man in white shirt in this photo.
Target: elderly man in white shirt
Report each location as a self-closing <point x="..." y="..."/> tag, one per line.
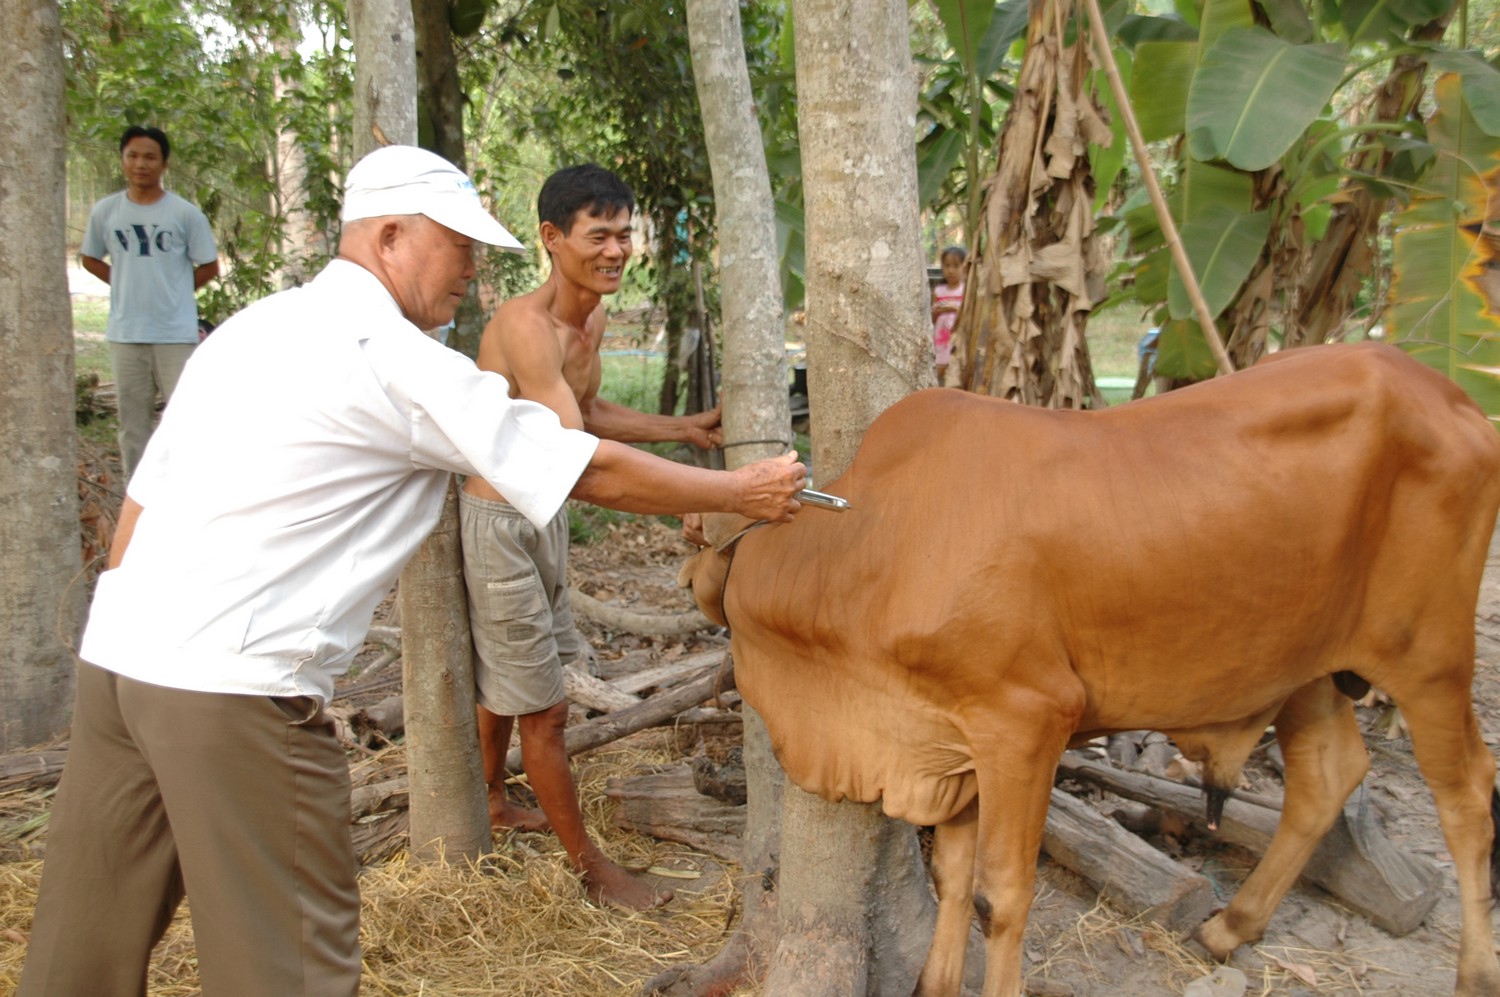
<point x="304" y="458"/>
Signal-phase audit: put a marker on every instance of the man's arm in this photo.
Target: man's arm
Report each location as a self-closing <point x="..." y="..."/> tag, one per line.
<point x="124" y="529"/>
<point x="97" y="267"/>
<point x="203" y="274"/>
<point x="609" y="421"/>
<point x="630" y="480"/>
<point x="533" y="359"/>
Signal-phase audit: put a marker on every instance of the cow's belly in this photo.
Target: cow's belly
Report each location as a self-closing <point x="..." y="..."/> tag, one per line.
<point x="840" y="737"/>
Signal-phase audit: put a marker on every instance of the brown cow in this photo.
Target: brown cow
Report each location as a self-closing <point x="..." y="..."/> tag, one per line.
<point x="1011" y="581"/>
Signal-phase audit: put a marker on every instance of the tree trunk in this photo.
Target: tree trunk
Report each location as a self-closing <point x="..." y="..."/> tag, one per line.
<point x="856" y="910"/>
<point x="757" y="424"/>
<point x="303" y="241"/>
<point x="385" y="74"/>
<point x="449" y="815"/>
<point x="42" y="586"/>
<point x="440" y="127"/>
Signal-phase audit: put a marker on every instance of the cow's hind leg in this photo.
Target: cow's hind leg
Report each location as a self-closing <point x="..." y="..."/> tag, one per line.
<point x="1325" y="760"/>
<point x="1461" y="774"/>
<point x="953" y="875"/>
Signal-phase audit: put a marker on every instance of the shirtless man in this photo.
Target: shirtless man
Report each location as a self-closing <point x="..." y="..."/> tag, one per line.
<point x="546" y="344"/>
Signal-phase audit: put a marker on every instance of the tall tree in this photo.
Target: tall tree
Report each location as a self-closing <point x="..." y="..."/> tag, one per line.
<point x="757" y="421"/>
<point x="448" y="812"/>
<point x="41" y="595"/>
<point x="855" y="904"/>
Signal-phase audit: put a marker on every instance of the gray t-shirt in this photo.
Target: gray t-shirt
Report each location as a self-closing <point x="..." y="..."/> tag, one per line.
<point x="152" y="250"/>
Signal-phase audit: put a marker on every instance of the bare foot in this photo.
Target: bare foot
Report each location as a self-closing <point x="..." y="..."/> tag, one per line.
<point x="504" y="813"/>
<point x="607" y="883"/>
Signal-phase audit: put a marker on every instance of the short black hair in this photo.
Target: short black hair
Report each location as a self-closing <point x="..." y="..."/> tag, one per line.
<point x="154" y="134"/>
<point x="958" y="251"/>
<point x="589" y="188"/>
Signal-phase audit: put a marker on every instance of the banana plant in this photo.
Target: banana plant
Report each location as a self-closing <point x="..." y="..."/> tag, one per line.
<point x="1265" y="171"/>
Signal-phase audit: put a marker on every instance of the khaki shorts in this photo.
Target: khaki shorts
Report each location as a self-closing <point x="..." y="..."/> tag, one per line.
<point x="519" y="610"/>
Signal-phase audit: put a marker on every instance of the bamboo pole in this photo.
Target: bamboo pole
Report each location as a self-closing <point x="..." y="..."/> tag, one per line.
<point x="1159" y="203"/>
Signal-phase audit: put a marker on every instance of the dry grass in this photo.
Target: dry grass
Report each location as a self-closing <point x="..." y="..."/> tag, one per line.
<point x="516" y="924"/>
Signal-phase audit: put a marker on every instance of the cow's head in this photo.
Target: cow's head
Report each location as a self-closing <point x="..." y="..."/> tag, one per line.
<point x="706" y="570"/>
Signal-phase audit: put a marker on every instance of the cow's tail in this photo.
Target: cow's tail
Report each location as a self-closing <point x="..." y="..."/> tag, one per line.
<point x="1495" y="842"/>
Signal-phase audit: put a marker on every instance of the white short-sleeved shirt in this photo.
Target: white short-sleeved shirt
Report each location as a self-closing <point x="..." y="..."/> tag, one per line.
<point x="305" y="456"/>
<point x="152" y="251"/>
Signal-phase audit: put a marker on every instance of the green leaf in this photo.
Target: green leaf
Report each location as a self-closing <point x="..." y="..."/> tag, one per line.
<point x="1207" y="189"/>
<point x="466" y="16"/>
<point x="1160" y="85"/>
<point x="1373" y="20"/>
<point x="1107" y="162"/>
<point x="1289" y="20"/>
<point x="1152" y="275"/>
<point x="1222" y="247"/>
<point x="1008" y="24"/>
<point x="1254" y="94"/>
<point x="1182" y="352"/>
<point x="1444" y="304"/>
<point x="1220" y="16"/>
<point x="966" y="22"/>
<point x="1138" y="28"/>
<point x="936" y="158"/>
<point x="1481" y="85"/>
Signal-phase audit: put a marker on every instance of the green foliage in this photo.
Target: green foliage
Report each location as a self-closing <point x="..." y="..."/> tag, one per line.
<point x="1255" y="94"/>
<point x="1445" y="309"/>
<point x="206" y="73"/>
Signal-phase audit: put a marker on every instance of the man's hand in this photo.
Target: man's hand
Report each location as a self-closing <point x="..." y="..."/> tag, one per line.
<point x="704" y="430"/>
<point x="768" y="488"/>
<point x="692" y="530"/>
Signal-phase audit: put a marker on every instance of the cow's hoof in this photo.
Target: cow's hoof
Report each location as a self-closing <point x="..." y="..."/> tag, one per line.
<point x="1217" y="940"/>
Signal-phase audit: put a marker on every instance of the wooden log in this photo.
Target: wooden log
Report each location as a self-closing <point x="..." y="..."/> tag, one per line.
<point x="1134" y="877"/>
<point x="615" y="618"/>
<point x="1355" y="861"/>
<point x="669" y="673"/>
<point x="596" y="694"/>
<point x="666" y="805"/>
<point x="648" y="713"/>
<point x="37" y="769"/>
<point x="392" y="794"/>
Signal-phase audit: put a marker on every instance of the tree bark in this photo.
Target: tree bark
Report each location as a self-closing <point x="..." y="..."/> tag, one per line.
<point x="757" y="424"/>
<point x="449" y="812"/>
<point x="385" y="74"/>
<point x="856" y="910"/>
<point x="42" y="586"/>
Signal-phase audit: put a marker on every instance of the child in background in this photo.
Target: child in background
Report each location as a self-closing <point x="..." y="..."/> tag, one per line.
<point x="946" y="299"/>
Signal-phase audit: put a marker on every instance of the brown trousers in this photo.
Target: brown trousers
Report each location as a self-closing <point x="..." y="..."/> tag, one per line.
<point x="240" y="802"/>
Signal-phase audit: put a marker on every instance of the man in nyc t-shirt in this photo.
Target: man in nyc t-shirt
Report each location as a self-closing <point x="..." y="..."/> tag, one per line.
<point x="160" y="250"/>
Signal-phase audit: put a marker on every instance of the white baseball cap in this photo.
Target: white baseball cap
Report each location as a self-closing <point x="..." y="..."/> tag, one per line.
<point x="405" y="180"/>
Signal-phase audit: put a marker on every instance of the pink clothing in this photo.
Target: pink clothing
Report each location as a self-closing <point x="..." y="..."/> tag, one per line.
<point x="942" y="329"/>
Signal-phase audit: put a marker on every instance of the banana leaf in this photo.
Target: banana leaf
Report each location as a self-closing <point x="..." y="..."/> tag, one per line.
<point x="1255" y="94"/>
<point x="1445" y="290"/>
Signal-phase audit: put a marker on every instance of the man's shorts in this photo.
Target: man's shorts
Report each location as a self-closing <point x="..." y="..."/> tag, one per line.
<point x="519" y="610"/>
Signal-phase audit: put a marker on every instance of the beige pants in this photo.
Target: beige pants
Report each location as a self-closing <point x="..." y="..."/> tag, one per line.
<point x="242" y="802"/>
<point x="141" y="370"/>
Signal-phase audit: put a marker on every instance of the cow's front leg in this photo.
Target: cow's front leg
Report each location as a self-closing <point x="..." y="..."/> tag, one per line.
<point x="1015" y="762"/>
<point x="953" y="844"/>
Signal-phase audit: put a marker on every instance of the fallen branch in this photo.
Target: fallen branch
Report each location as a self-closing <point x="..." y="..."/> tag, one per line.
<point x="650" y="712"/>
<point x="38" y="769"/>
<point x="668" y="673"/>
<point x="1355" y="861"/>
<point x="1134" y="877"/>
<point x="615" y="618"/>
